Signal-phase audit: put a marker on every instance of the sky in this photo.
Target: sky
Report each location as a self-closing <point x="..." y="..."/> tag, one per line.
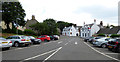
<point x="73" y="11"/>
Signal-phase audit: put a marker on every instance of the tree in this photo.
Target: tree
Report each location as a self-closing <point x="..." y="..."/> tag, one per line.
<point x="12" y="12"/>
<point x="62" y="24"/>
<point x="41" y="28"/>
<point x="52" y="25"/>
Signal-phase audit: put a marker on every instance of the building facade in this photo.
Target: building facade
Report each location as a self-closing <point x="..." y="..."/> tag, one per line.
<point x="30" y="22"/>
<point x="89" y="29"/>
<point x="70" y="31"/>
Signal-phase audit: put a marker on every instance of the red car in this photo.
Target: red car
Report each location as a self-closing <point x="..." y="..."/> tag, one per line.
<point x="44" y="38"/>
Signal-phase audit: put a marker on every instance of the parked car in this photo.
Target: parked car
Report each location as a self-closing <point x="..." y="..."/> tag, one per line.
<point x="34" y="40"/>
<point x="56" y="37"/>
<point x="5" y="44"/>
<point x="87" y="39"/>
<point x="114" y="45"/>
<point x="102" y="42"/>
<point x="19" y="40"/>
<point x="51" y="37"/>
<point x="44" y="38"/>
<point x="94" y="39"/>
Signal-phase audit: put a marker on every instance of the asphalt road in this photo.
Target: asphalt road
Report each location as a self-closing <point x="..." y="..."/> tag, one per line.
<point x="65" y="49"/>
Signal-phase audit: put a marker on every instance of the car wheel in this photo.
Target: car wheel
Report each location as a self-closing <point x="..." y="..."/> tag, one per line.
<point x="8" y="48"/>
<point x="16" y="44"/>
<point x="103" y="45"/>
<point x="45" y="40"/>
<point x="109" y="49"/>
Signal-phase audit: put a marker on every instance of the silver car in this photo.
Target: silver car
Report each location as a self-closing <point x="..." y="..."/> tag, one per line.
<point x="102" y="42"/>
<point x="5" y="44"/>
<point x="19" y="40"/>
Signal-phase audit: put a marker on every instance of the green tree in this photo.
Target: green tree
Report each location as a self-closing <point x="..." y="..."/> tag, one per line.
<point x="51" y="25"/>
<point x="41" y="28"/>
<point x="13" y="12"/>
<point x="62" y="24"/>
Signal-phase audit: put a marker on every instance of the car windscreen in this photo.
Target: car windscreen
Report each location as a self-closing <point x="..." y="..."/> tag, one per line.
<point x="31" y="37"/>
<point x="2" y="38"/>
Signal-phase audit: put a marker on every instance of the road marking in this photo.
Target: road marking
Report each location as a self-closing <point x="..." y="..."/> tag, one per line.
<point x="60" y="42"/>
<point x="40" y="55"/>
<point x="111" y="53"/>
<point x="102" y="53"/>
<point x="20" y="48"/>
<point x="76" y="43"/>
<point x="52" y="54"/>
<point x="66" y="43"/>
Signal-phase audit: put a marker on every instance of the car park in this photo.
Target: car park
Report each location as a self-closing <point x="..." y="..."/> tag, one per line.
<point x="56" y="37"/>
<point x="34" y="40"/>
<point x="44" y="38"/>
<point x="114" y="45"/>
<point x="5" y="44"/>
<point x="102" y="42"/>
<point x="18" y="40"/>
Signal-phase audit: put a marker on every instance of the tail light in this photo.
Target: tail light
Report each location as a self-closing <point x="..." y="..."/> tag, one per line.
<point x="10" y="41"/>
<point x="116" y="43"/>
<point x="23" y="40"/>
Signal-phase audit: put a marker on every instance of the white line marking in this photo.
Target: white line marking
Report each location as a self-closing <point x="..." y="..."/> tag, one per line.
<point x="20" y="48"/>
<point x="52" y="54"/>
<point x="76" y="43"/>
<point x="102" y="53"/>
<point x="111" y="53"/>
<point x="60" y="42"/>
<point x="66" y="43"/>
<point x="40" y="55"/>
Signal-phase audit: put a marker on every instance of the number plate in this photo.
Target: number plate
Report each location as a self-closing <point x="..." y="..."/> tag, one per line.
<point x="110" y="46"/>
<point x="28" y="40"/>
<point x="4" y="42"/>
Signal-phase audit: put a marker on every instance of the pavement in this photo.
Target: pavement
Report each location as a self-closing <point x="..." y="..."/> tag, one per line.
<point x="66" y="49"/>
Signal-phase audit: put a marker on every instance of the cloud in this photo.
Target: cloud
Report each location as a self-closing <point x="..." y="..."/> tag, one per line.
<point x="73" y="11"/>
<point x="98" y="11"/>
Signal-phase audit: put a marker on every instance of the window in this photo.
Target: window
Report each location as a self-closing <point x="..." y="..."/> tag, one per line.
<point x="9" y="38"/>
<point x="70" y="32"/>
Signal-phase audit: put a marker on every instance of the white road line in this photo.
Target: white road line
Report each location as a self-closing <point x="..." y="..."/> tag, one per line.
<point x="111" y="53"/>
<point x="20" y="48"/>
<point x="52" y="54"/>
<point x="76" y="43"/>
<point x="60" y="42"/>
<point x="102" y="53"/>
<point x="66" y="43"/>
<point x="39" y="55"/>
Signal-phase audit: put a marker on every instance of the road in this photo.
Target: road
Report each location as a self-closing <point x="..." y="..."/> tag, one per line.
<point x="65" y="49"/>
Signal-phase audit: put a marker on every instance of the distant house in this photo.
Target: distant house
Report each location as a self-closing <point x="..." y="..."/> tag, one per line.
<point x="30" y="22"/>
<point x="89" y="29"/>
<point x="109" y="31"/>
<point x="70" y="31"/>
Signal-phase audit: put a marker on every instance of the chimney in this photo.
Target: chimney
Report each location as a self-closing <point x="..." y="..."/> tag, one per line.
<point x="94" y="21"/>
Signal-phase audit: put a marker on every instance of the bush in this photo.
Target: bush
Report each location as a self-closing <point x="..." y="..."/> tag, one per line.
<point x="115" y="35"/>
<point x="101" y="35"/>
<point x="29" y="32"/>
<point x="20" y="32"/>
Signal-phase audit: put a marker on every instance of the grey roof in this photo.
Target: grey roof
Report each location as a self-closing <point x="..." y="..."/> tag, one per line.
<point x="103" y="31"/>
<point x="113" y="30"/>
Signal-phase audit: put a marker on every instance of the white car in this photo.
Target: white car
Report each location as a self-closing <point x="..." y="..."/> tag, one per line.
<point x="18" y="40"/>
<point x="56" y="37"/>
<point x="5" y="44"/>
<point x="102" y="42"/>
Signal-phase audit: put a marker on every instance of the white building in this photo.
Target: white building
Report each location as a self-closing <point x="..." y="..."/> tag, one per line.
<point x="70" y="31"/>
<point x="89" y="29"/>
